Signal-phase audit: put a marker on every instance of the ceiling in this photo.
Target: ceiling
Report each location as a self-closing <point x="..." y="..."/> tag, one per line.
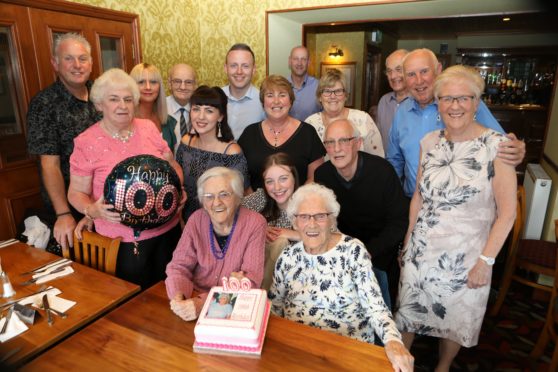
<point x="455" y="26"/>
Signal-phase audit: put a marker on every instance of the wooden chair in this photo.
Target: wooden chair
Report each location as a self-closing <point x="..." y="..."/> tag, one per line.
<point x="531" y="256"/>
<point x="96" y="251"/>
<point x="550" y="329"/>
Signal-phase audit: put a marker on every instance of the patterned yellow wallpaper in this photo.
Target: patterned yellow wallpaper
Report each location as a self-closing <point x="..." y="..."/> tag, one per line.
<point x="200" y="32"/>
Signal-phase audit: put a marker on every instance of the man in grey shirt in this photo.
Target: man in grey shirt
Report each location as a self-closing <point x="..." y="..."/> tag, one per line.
<point x="390" y="101"/>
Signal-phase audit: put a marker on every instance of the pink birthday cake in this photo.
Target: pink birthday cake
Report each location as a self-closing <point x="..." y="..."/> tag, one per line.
<point x="233" y="320"/>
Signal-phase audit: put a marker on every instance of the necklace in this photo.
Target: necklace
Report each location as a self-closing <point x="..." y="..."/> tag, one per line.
<point x="220" y="255"/>
<point x="276" y="133"/>
<point x="123" y="138"/>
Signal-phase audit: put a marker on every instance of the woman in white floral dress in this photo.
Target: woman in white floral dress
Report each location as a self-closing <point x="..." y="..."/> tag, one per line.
<point x="460" y="215"/>
<point x="326" y="280"/>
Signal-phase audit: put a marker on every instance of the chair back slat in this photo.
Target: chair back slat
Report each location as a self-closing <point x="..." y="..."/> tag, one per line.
<point x="96" y="251"/>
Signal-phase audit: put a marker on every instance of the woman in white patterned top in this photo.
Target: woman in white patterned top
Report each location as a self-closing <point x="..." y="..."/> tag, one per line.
<point x="280" y="181"/>
<point x="332" y="94"/>
<point x="326" y="280"/>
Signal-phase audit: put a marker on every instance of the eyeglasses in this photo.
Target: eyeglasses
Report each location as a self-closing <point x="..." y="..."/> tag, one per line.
<point x="318" y="217"/>
<point x="462" y="100"/>
<point x="223" y="196"/>
<point x="341" y="141"/>
<point x="329" y="92"/>
<point x="177" y="83"/>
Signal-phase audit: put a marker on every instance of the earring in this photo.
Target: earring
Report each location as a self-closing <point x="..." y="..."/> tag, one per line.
<point x="219" y="135"/>
<point x="192" y="130"/>
<point x="438" y="118"/>
<point x="475" y="117"/>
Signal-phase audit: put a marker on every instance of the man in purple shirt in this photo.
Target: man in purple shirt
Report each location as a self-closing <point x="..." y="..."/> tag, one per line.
<point x="390" y="101"/>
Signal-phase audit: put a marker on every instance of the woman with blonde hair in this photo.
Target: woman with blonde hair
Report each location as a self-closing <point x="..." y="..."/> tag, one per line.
<point x="152" y="104"/>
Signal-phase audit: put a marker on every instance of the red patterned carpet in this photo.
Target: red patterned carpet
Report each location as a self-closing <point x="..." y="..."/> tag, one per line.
<point x="505" y="342"/>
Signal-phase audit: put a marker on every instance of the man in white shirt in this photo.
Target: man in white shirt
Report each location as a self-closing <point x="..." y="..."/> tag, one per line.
<point x="244" y="106"/>
<point x="182" y="83"/>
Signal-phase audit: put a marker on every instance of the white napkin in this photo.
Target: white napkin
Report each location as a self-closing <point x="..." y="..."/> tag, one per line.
<point x="15" y="327"/>
<point x="67" y="270"/>
<point x="37" y="233"/>
<point x="51" y="291"/>
<point x="55" y="302"/>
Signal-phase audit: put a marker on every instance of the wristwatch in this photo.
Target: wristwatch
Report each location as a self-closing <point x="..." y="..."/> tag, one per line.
<point x="489" y="260"/>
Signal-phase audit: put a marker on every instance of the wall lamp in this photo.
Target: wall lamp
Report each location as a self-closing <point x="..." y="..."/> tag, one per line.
<point x="338" y="52"/>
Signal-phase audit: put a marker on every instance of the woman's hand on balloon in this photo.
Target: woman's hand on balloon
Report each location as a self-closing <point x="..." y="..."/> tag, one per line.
<point x="103" y="211"/>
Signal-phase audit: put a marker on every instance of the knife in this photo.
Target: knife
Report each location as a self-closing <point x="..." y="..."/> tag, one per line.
<point x="47" y="310"/>
<point x="8" y="317"/>
<point x="54" y="263"/>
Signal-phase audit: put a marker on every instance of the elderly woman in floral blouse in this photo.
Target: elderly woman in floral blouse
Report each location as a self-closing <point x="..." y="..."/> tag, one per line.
<point x="326" y="280"/>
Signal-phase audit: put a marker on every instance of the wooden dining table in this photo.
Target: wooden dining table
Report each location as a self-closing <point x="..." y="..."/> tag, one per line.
<point x="94" y="292"/>
<point x="145" y="335"/>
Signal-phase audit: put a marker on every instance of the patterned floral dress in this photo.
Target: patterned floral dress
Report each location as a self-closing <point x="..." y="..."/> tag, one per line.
<point x="335" y="291"/>
<point x="451" y="230"/>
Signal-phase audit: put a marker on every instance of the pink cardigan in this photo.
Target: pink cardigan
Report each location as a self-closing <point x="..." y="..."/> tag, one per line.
<point x="193" y="266"/>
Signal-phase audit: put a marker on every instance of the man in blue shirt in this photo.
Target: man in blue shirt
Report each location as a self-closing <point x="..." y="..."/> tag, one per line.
<point x="244" y="106"/>
<point x="304" y="85"/>
<point x="418" y="115"/>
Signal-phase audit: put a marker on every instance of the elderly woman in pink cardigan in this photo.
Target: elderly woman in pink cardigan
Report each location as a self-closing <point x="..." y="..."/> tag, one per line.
<point x="221" y="239"/>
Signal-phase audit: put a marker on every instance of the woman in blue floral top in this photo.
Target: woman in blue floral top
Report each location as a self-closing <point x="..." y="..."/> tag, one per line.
<point x="326" y="280"/>
<point x="460" y="215"/>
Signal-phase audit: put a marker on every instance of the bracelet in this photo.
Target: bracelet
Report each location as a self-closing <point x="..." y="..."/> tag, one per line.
<point x="63" y="214"/>
<point x="86" y="214"/>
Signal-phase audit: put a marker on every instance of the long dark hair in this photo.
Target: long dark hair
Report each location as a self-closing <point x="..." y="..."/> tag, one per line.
<point x="271" y="209"/>
<point x="214" y="97"/>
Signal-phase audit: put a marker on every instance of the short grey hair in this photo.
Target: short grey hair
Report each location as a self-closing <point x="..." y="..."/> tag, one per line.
<point x="430" y="54"/>
<point x="113" y="78"/>
<point x="321" y="191"/>
<point x="460" y="73"/>
<point x="234" y="177"/>
<point x="70" y="36"/>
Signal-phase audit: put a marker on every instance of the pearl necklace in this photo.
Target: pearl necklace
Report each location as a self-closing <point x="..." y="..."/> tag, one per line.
<point x="220" y="255"/>
<point x="123" y="138"/>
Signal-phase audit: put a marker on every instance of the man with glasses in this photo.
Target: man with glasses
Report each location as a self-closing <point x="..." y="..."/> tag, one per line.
<point x="373" y="207"/>
<point x="389" y="102"/>
<point x="304" y="85"/>
<point x="182" y="83"/>
<point x="57" y="115"/>
<point x="418" y="116"/>
<point x="244" y="106"/>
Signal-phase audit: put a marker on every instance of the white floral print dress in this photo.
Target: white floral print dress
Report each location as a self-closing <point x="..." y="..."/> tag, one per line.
<point x="335" y="291"/>
<point x="452" y="227"/>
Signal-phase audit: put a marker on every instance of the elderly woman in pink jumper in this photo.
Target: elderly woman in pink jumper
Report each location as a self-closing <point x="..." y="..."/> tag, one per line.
<point x="117" y="136"/>
<point x="221" y="239"/>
